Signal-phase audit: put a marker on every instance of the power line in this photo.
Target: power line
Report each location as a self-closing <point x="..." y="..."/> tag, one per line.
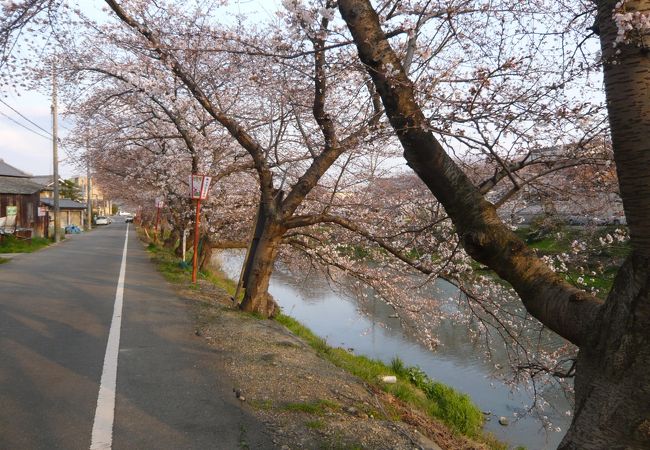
<point x="25" y="126"/>
<point x="21" y="115"/>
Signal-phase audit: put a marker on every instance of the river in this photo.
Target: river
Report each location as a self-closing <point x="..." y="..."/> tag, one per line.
<point x="369" y="329"/>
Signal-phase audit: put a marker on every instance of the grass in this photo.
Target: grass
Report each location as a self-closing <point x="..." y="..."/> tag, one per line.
<point x="263" y="405"/>
<point x="243" y="443"/>
<point x="413" y="386"/>
<point x="447" y="404"/>
<point x="169" y="265"/>
<point x="9" y="244"/>
<point x="315" y="424"/>
<point x="318" y="407"/>
<point x="176" y="272"/>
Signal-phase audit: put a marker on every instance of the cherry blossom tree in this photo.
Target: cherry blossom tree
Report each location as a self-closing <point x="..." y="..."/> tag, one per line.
<point x="473" y="91"/>
<point x="611" y="380"/>
<point x="285" y="150"/>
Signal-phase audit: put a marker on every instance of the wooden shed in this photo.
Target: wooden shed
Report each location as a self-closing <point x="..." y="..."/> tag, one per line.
<point x="19" y="197"/>
<point x="71" y="212"/>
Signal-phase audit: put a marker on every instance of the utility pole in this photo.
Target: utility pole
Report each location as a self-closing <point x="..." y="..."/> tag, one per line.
<point x="55" y="156"/>
<point x="89" y="201"/>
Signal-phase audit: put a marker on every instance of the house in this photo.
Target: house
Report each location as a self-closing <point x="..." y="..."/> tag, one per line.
<point x="27" y="205"/>
<point x="71" y="212"/>
<point x="19" y="201"/>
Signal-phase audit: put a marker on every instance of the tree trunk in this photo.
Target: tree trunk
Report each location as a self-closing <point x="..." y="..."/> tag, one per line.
<point x="612" y="381"/>
<point x="256" y="297"/>
<point x="626" y="71"/>
<point x="172" y="239"/>
<point x="179" y="248"/>
<point x="206" y="253"/>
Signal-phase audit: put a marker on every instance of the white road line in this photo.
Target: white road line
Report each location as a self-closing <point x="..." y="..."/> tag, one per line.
<point x="102" y="435"/>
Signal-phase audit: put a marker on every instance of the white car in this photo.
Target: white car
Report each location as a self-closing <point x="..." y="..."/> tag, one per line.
<point x="101" y="220"/>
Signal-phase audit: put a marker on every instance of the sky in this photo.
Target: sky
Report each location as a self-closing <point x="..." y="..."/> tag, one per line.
<point x="29" y="148"/>
<point x="26" y="146"/>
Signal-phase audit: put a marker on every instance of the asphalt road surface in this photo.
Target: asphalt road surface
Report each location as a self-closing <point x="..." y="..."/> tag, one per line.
<point x="56" y="311"/>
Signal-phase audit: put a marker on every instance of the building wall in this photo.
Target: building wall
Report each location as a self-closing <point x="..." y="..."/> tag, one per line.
<point x="74" y="217"/>
<point x="27" y="208"/>
<point x="101" y="205"/>
<point x="67" y="217"/>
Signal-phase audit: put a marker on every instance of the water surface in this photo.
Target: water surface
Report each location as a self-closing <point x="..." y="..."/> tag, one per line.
<point x="370" y="330"/>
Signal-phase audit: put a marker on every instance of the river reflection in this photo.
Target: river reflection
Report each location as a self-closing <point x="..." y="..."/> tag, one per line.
<point x="369" y="329"/>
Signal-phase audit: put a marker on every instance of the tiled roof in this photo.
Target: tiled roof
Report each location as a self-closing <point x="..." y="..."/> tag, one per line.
<point x="16" y="185"/>
<point x="43" y="180"/>
<point x="64" y="203"/>
<point x="7" y="170"/>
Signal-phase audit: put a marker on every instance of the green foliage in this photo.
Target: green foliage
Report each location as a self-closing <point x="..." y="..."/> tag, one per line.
<point x="601" y="261"/>
<point x="339" y="445"/>
<point x="542" y="226"/>
<point x="11" y="244"/>
<point x="69" y="189"/>
<point x="453" y="407"/>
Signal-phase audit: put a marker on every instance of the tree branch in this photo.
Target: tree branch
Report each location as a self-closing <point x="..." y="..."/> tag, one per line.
<point x="565" y="309"/>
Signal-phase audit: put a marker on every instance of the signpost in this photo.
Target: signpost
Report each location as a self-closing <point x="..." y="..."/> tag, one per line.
<point x="160" y="202"/>
<point x="199" y="186"/>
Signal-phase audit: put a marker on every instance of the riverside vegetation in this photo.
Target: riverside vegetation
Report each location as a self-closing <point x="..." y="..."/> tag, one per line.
<point x="413" y="411"/>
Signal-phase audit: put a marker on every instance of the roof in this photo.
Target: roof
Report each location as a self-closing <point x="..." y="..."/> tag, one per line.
<point x="43" y="180"/>
<point x="16" y="185"/>
<point x="64" y="203"/>
<point x="7" y="170"/>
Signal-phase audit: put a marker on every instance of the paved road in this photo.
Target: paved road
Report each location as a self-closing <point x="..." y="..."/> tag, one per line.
<point x="56" y="308"/>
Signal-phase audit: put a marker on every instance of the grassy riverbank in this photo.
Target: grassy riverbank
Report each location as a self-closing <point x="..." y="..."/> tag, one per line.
<point x="413" y="393"/>
<point x="412" y="387"/>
